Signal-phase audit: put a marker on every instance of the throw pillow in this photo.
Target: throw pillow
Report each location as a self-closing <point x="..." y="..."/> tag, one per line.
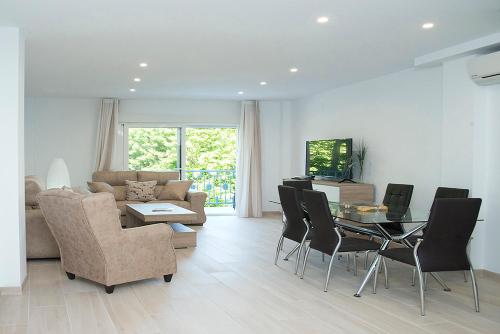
<point x="100" y="187"/>
<point x="140" y="191"/>
<point x="175" y="190"/>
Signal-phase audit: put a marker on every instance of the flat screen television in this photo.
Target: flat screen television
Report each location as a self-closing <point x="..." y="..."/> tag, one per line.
<point x="330" y="158"/>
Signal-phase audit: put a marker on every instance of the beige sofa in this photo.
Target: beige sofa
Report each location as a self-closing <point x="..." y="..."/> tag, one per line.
<point x="194" y="201"/>
<point x="94" y="245"/>
<point x="39" y="240"/>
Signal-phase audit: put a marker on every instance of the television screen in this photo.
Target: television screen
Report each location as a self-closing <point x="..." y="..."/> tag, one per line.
<point x="331" y="158"/>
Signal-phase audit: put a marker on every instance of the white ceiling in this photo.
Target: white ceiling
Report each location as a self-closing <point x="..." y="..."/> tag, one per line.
<point x="215" y="48"/>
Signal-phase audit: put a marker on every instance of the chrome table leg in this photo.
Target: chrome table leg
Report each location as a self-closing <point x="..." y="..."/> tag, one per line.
<point x="373" y="267"/>
<point x="440" y="281"/>
<point x="291" y="252"/>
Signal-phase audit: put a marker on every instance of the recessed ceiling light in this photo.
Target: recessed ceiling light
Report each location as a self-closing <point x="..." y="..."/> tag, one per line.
<point x="132" y="89"/>
<point x="137" y="79"/>
<point x="263" y="83"/>
<point x="322" y="19"/>
<point x="241" y="92"/>
<point x="143" y="64"/>
<point x="294" y="69"/>
<point x="428" y="25"/>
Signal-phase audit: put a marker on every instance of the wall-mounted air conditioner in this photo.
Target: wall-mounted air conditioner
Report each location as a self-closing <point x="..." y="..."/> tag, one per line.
<point x="485" y="70"/>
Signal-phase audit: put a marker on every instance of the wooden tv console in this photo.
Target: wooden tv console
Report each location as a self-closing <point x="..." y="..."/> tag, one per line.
<point x="345" y="191"/>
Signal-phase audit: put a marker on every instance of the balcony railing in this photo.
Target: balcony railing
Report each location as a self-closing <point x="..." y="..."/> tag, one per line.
<point x="218" y="184"/>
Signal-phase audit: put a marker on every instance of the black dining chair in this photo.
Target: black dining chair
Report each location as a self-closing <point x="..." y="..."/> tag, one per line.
<point x="444" y="247"/>
<point x="326" y="237"/>
<point x="296" y="227"/>
<point x="397" y="197"/>
<point x="441" y="192"/>
<point x="300" y="185"/>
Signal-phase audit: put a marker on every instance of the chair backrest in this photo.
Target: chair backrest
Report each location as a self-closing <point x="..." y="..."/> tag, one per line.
<point x="444" y="192"/>
<point x="295" y="227"/>
<point x="82" y="226"/>
<point x="450" y="226"/>
<point x="300" y="185"/>
<point x="397" y="197"/>
<point x="324" y="237"/>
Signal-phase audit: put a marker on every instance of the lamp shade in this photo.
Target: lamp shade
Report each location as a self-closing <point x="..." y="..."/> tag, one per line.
<point x="58" y="175"/>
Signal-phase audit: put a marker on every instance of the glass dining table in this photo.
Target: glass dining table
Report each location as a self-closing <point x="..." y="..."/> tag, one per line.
<point x="378" y="220"/>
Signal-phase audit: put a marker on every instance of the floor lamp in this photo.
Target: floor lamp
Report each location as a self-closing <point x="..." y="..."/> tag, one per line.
<point x="58" y="175"/>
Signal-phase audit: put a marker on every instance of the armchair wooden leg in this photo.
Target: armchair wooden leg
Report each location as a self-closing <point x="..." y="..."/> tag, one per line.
<point x="109" y="289"/>
<point x="168" y="278"/>
<point x="70" y="276"/>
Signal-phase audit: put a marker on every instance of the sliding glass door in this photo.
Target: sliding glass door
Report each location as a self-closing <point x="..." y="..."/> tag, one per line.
<point x="206" y="155"/>
<point x="210" y="161"/>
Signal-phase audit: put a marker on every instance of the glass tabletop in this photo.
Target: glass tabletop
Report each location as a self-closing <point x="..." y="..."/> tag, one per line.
<point x="373" y="214"/>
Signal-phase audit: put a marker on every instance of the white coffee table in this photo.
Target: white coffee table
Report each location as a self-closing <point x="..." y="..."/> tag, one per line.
<point x="153" y="213"/>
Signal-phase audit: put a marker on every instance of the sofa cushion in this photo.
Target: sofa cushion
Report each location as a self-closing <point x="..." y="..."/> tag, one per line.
<point x="182" y="204"/>
<point x="121" y="205"/>
<point x="33" y="185"/>
<point x="115" y="178"/>
<point x="160" y="177"/>
<point x="120" y="193"/>
<point x="175" y="190"/>
<point x="140" y="191"/>
<point x="100" y="187"/>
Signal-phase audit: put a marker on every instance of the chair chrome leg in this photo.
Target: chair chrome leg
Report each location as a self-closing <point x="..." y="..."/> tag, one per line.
<point x="375" y="275"/>
<point x="355" y="264"/>
<point x="366" y="259"/>
<point x="305" y="261"/>
<point x="329" y="271"/>
<point x="291" y="252"/>
<point x="413" y="277"/>
<point x="386" y="273"/>
<point x="348" y="261"/>
<point x="421" y="290"/>
<point x="440" y="281"/>
<point x="299" y="254"/>
<point x="465" y="276"/>
<point x="278" y="249"/>
<point x="333" y="257"/>
<point x="474" y="288"/>
<point x="421" y="281"/>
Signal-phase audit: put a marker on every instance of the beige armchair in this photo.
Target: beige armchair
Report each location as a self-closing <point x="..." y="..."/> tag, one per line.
<point x="94" y="246"/>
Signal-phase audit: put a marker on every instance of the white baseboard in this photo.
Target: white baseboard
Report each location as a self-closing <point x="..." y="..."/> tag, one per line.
<point x="13" y="290"/>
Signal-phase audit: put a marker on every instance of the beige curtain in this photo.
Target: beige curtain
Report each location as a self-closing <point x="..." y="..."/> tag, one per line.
<point x="248" y="183"/>
<point x="106" y="133"/>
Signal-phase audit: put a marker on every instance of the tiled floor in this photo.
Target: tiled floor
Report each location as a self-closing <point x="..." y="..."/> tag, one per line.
<point x="228" y="284"/>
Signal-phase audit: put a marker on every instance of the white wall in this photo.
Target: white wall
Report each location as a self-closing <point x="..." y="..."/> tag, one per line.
<point x="12" y="216"/>
<point x="492" y="214"/>
<point x="218" y="112"/>
<point x="271" y="113"/>
<point x="397" y="115"/>
<point x="61" y="128"/>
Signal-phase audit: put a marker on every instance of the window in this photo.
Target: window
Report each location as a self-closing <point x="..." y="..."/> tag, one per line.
<point x="206" y="155"/>
<point x="153" y="149"/>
